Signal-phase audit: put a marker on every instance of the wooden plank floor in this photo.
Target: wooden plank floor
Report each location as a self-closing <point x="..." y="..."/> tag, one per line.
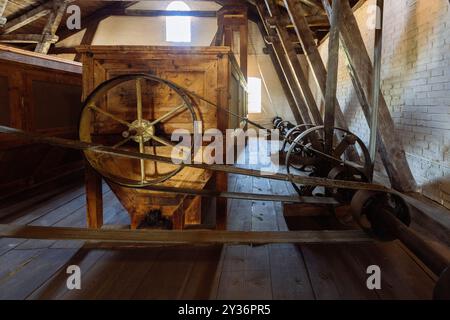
<point x="37" y="269"/>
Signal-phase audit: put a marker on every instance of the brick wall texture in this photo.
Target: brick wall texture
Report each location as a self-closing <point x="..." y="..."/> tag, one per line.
<point x="415" y="83"/>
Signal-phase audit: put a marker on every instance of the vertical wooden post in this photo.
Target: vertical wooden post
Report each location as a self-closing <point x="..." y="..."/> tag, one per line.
<point x="2" y="10"/>
<point x="333" y="65"/>
<point x="54" y="20"/>
<point x="243" y="50"/>
<point x="94" y="198"/>
<point x="301" y="112"/>
<point x="234" y="17"/>
<point x="391" y="147"/>
<point x="297" y="15"/>
<point x="376" y="80"/>
<point x="88" y="36"/>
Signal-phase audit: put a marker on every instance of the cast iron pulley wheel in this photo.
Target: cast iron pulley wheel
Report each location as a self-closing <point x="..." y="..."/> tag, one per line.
<point x="366" y="205"/>
<point x="111" y="117"/>
<point x="307" y="151"/>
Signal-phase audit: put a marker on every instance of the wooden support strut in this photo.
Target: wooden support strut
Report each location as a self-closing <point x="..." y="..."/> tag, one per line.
<point x="3" y="4"/>
<point x="54" y="20"/>
<point x="280" y="58"/>
<point x="333" y="66"/>
<point x="390" y="146"/>
<point x="306" y="38"/>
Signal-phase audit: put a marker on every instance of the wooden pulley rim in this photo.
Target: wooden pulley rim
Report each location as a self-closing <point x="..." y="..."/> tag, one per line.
<point x="101" y="90"/>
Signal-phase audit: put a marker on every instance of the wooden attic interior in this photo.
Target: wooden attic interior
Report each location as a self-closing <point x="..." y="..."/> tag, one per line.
<point x="74" y="192"/>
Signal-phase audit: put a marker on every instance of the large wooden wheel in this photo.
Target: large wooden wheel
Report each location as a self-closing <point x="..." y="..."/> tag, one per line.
<point x="144" y="127"/>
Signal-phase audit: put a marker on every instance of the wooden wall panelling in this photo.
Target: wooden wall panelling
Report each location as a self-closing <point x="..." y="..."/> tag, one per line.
<point x="208" y="72"/>
<point x="24" y="164"/>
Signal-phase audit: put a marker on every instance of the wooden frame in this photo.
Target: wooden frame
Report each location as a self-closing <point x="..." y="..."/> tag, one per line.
<point x="104" y="62"/>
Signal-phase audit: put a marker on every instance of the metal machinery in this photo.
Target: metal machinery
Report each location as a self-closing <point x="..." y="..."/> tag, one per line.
<point x="319" y="177"/>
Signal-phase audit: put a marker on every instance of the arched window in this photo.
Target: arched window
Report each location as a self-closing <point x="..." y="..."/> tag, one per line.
<point x="178" y="28"/>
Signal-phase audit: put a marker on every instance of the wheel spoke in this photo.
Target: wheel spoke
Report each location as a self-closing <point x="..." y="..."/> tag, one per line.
<point x="139" y="100"/>
<point x="106" y="113"/>
<point x="121" y="143"/>
<point x="163" y="141"/>
<point x="142" y="150"/>
<point x="169" y="114"/>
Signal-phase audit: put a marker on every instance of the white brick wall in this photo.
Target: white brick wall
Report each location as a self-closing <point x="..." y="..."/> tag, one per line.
<point x="415" y="83"/>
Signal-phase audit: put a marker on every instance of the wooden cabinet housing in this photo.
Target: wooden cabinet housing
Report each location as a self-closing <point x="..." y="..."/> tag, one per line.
<point x="210" y="72"/>
<point x="42" y="94"/>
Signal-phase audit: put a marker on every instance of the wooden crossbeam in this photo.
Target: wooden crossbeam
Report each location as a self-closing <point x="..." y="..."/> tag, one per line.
<point x="3" y="4"/>
<point x="27" y="38"/>
<point x="390" y="146"/>
<point x="182" y="237"/>
<point x="167" y="13"/>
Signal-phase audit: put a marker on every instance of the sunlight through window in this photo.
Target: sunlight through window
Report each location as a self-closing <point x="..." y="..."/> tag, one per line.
<point x="254" y="95"/>
<point x="178" y="28"/>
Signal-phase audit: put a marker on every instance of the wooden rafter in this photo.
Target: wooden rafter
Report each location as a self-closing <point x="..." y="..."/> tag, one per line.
<point x="313" y="115"/>
<point x="281" y="76"/>
<point x="300" y="108"/>
<point x="308" y="43"/>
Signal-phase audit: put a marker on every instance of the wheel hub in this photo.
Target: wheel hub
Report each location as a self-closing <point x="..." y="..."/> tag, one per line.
<point x="138" y="129"/>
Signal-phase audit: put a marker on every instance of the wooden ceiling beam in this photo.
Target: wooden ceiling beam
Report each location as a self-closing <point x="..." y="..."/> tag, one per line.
<point x="166" y="13"/>
<point x="27" y="18"/>
<point x="3" y="4"/>
<point x="308" y="43"/>
<point x="27" y="38"/>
